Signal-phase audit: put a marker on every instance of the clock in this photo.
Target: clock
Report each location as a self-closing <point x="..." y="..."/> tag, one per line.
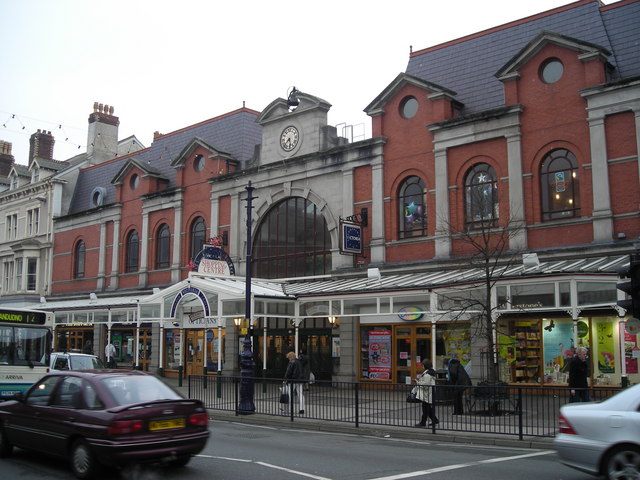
<point x="289" y="138"/>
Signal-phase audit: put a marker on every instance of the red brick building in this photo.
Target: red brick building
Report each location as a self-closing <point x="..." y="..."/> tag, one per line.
<point x="527" y="132"/>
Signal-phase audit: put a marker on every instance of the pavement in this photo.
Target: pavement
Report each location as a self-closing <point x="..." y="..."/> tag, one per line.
<point x="385" y="431"/>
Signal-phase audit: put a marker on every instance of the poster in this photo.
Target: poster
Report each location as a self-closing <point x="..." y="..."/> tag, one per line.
<point x="630" y="345"/>
<point x="604" y="340"/>
<point x="380" y="354"/>
<point x="558" y="347"/>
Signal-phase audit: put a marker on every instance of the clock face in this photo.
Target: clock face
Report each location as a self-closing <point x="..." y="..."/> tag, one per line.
<point x="289" y="138"/>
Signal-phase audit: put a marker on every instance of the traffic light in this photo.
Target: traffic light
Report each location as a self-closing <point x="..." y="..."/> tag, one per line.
<point x="631" y="287"/>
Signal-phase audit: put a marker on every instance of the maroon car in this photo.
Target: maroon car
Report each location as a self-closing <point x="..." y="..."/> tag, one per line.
<point x="104" y="417"/>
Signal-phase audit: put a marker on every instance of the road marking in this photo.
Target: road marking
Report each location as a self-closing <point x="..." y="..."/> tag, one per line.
<point x="264" y="464"/>
<point x="463" y="465"/>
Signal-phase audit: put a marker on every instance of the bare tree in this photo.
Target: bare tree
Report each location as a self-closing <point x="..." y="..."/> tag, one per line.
<point x="484" y="240"/>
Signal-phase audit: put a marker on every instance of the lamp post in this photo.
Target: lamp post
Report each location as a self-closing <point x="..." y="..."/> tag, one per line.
<point x="247" y="366"/>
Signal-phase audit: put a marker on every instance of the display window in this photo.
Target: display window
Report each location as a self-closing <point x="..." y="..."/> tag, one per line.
<point x="376" y="352"/>
<point x="453" y="341"/>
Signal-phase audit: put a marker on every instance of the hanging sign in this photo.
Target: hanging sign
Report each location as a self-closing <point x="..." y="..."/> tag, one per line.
<point x="350" y="238"/>
<point x="213" y="259"/>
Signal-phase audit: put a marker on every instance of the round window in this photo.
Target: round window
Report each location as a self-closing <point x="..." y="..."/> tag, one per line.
<point x="135" y="179"/>
<point x="409" y="107"/>
<point x="551" y="71"/>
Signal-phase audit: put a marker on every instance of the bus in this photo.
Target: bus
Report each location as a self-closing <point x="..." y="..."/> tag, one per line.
<point x="25" y="346"/>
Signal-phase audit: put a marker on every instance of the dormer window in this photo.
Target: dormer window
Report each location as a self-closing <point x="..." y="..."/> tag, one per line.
<point x="408" y="107"/>
<point x="14" y="182"/>
<point x="35" y="176"/>
<point x="198" y="163"/>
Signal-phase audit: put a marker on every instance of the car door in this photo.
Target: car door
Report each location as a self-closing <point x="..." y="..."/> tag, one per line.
<point x="24" y="428"/>
<point x="59" y="419"/>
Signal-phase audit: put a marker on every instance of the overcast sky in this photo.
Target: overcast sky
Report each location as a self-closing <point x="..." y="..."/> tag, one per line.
<point x="164" y="65"/>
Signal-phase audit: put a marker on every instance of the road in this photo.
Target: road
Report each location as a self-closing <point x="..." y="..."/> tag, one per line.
<point x="265" y="453"/>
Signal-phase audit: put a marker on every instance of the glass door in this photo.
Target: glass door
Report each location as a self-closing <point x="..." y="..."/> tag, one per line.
<point x="413" y="344"/>
<point x="195" y="352"/>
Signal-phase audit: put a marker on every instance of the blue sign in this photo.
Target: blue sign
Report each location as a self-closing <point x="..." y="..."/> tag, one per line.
<point x="193" y="291"/>
<point x="213" y="259"/>
<point x="351" y="236"/>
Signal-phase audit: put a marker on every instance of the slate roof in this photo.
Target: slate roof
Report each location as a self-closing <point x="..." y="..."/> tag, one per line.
<point x="468" y="65"/>
<point x="236" y="132"/>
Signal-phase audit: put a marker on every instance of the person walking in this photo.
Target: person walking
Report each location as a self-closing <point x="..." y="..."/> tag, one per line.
<point x="305" y="368"/>
<point x="426" y="381"/>
<point x="109" y="353"/>
<point x="578" y="377"/>
<point x="459" y="378"/>
<point x="293" y="378"/>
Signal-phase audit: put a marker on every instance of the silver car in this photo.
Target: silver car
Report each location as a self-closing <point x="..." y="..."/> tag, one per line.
<point x="602" y="438"/>
<point x="74" y="361"/>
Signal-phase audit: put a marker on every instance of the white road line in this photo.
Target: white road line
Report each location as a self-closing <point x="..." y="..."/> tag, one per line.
<point x="268" y="465"/>
<point x="462" y="465"/>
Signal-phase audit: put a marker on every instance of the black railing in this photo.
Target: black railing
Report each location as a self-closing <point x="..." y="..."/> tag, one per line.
<point x="522" y="411"/>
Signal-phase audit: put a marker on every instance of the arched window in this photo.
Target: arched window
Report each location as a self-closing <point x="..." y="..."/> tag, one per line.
<point x="133" y="252"/>
<point x="163" y="242"/>
<point x="559" y="185"/>
<point x="412" y="200"/>
<point x="79" y="260"/>
<point x="198" y="236"/>
<point x="292" y="240"/>
<point x="481" y="196"/>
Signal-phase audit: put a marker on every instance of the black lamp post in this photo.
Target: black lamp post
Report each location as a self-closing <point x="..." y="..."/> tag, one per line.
<point x="247" y="366"/>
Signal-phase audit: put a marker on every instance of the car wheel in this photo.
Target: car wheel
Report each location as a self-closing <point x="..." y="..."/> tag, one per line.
<point x="623" y="463"/>
<point x="181" y="461"/>
<point x="5" y="447"/>
<point x="83" y="463"/>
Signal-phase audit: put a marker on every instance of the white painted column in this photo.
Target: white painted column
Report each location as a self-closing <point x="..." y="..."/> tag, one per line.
<point x="602" y="214"/>
<point x="516" y="193"/>
<point x="177" y="244"/>
<point x="115" y="257"/>
<point x="443" y="234"/>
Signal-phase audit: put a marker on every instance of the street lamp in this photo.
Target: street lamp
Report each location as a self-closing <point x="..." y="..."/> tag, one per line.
<point x="247" y="366"/>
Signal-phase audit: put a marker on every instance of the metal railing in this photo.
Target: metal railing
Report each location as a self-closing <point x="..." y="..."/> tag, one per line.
<point x="522" y="411"/>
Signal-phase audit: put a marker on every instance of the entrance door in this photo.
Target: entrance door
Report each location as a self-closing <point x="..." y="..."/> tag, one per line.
<point x="413" y="344"/>
<point x="195" y="352"/>
<point x="144" y="349"/>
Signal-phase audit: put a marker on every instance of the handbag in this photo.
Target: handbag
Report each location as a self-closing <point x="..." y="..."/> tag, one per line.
<point x="284" y="395"/>
<point x="412" y="397"/>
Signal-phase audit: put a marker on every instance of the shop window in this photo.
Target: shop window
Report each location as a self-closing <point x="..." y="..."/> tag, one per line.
<point x="559" y="349"/>
<point x="79" y="260"/>
<point x="292" y="240"/>
<point x="593" y="293"/>
<point x="559" y="185"/>
<point x="564" y="289"/>
<point x="532" y="296"/>
<point x="163" y="242"/>
<point x="452" y="341"/>
<point x="412" y="200"/>
<point x="523" y="347"/>
<point x="198" y="235"/>
<point x="481" y="196"/>
<point x="375" y="352"/>
<point x="132" y="252"/>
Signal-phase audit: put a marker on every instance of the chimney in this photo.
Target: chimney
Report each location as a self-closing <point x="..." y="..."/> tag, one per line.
<point x="6" y="158"/>
<point x="41" y="145"/>
<point x="102" y="140"/>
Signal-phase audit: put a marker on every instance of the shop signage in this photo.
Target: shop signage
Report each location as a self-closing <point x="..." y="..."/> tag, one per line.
<point x="214" y="260"/>
<point x="410" y="314"/>
<point x="350" y="238"/>
<point x="190" y="291"/>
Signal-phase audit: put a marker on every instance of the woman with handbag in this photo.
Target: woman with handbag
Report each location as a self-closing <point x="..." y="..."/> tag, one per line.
<point x="426" y="382"/>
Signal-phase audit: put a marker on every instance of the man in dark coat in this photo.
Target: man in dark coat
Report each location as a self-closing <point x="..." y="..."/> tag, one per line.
<point x="578" y="377"/>
<point x="458" y="377"/>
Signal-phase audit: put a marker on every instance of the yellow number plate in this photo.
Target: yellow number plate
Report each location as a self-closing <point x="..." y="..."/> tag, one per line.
<point x="167" y="424"/>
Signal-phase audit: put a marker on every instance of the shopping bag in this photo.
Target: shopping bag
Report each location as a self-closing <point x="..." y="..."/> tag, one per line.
<point x="412" y="397"/>
<point x="312" y="378"/>
<point x="284" y="395"/>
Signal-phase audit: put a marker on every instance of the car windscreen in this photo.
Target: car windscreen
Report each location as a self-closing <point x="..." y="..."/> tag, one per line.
<point x="126" y="390"/>
<point x="86" y="363"/>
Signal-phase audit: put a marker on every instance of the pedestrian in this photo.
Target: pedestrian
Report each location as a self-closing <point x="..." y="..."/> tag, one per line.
<point x="305" y="368"/>
<point x="578" y="377"/>
<point x="88" y="347"/>
<point x="109" y="353"/>
<point x="426" y="381"/>
<point x="459" y="378"/>
<point x="293" y="378"/>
